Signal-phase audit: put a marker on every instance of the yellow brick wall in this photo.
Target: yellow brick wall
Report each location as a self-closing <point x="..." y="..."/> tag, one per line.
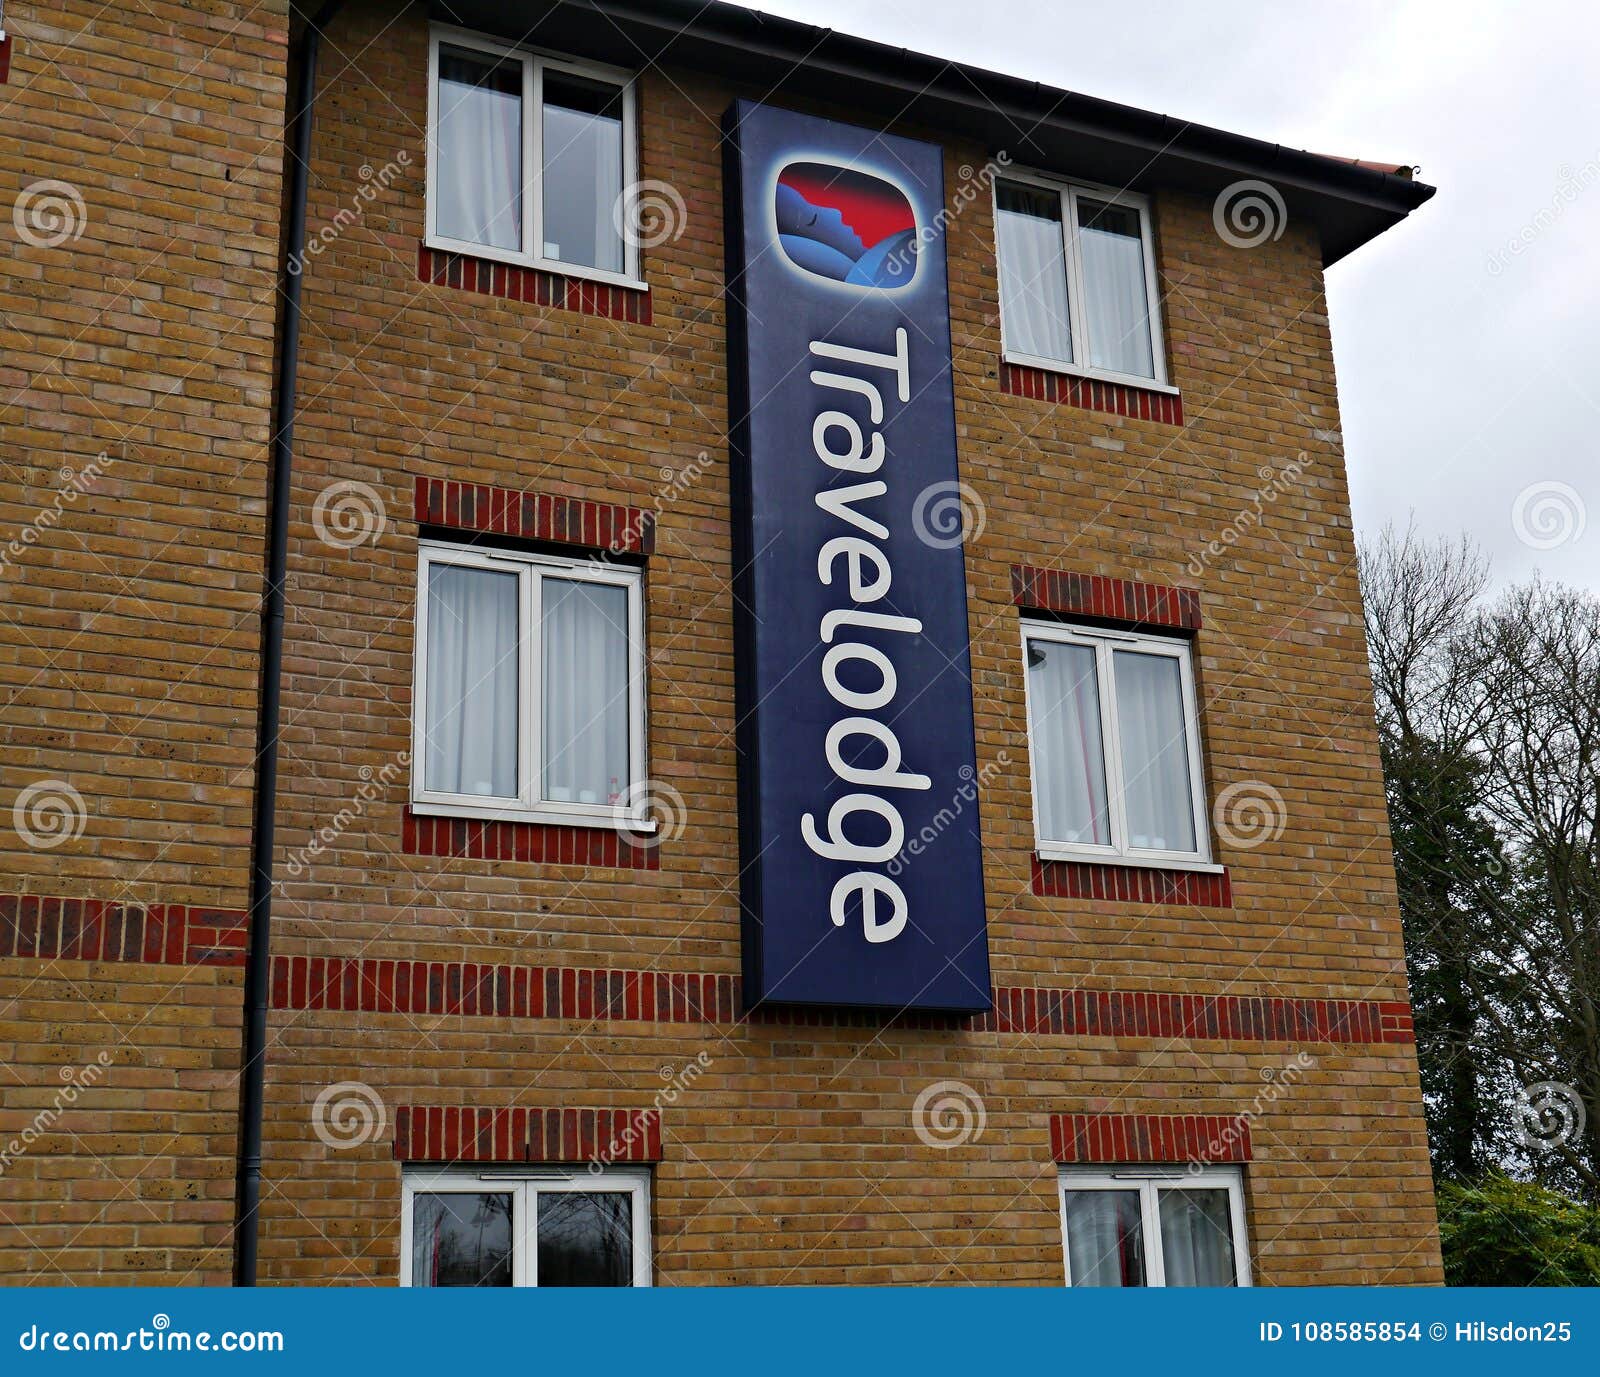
<point x="136" y="348"/>
<point x="794" y="1157"/>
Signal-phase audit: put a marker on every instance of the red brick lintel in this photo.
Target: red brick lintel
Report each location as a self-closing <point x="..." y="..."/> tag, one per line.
<point x="1109" y="599"/>
<point x="609" y="526"/>
<point x="449" y="1133"/>
<point x="1132" y="1138"/>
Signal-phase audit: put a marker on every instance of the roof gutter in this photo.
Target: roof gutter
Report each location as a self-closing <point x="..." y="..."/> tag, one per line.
<point x="258" y="962"/>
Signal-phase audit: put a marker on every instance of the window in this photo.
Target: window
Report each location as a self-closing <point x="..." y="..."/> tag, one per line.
<point x="529" y="687"/>
<point x="529" y="157"/>
<point x="1115" y="745"/>
<point x="1077" y="281"/>
<point x="1146" y="1227"/>
<point x="555" y="1228"/>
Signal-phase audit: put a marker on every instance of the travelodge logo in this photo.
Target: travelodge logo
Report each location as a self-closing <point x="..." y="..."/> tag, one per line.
<point x="840" y="223"/>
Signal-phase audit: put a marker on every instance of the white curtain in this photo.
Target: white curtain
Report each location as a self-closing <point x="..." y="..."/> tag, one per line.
<point x="1104" y="1238"/>
<point x="1116" y="307"/>
<point x="1155" y="752"/>
<point x="585" y="691"/>
<point x="582" y="173"/>
<point x="478" y="174"/>
<point x="1033" y="273"/>
<point x="471" y="690"/>
<point x="1197" y="1238"/>
<point x="1069" y="755"/>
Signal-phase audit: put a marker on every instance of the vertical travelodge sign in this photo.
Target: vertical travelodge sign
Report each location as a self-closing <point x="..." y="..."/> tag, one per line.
<point x="862" y="877"/>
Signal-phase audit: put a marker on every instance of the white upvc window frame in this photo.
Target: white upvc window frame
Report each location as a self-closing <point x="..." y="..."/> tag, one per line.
<point x="524" y="1185"/>
<point x="535" y="62"/>
<point x="1069" y="192"/>
<point x="1149" y="1181"/>
<point x="1104" y="642"/>
<point x="529" y="805"/>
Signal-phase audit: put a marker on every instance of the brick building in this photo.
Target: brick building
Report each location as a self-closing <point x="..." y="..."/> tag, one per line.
<point x="528" y="1014"/>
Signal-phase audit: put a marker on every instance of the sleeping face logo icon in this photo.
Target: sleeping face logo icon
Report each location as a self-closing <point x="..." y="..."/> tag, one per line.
<point x="846" y="225"/>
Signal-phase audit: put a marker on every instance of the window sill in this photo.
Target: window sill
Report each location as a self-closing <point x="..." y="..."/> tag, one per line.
<point x="1186" y="884"/>
<point x="534" y="286"/>
<point x="553" y="816"/>
<point x="1072" y="370"/>
<point x="1041" y="380"/>
<point x="574" y="843"/>
<point x="542" y="265"/>
<point x="1048" y="852"/>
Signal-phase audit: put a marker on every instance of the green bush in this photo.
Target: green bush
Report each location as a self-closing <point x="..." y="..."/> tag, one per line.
<point x="1500" y="1232"/>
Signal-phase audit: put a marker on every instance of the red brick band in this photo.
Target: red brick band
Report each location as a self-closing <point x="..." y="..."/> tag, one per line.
<point x="437" y="1133"/>
<point x="1095" y="595"/>
<point x="49" y="928"/>
<point x="1133" y="884"/>
<point x="375" y="985"/>
<point x="1119" y="399"/>
<point x="52" y="929"/>
<point x="532" y="285"/>
<point x="564" y="992"/>
<point x="534" y="842"/>
<point x="535" y="516"/>
<point x="1129" y="1138"/>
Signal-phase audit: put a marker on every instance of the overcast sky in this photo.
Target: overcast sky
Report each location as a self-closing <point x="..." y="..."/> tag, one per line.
<point x="1468" y="373"/>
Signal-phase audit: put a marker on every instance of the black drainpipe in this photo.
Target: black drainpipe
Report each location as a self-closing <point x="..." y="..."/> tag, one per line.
<point x="258" y="964"/>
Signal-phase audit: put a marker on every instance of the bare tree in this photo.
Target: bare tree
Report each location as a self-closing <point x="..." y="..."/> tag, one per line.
<point x="1490" y="726"/>
<point x="1420" y="599"/>
<point x="1539" y="648"/>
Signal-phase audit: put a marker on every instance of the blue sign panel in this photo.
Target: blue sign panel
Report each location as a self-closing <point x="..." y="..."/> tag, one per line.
<point x="862" y="879"/>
